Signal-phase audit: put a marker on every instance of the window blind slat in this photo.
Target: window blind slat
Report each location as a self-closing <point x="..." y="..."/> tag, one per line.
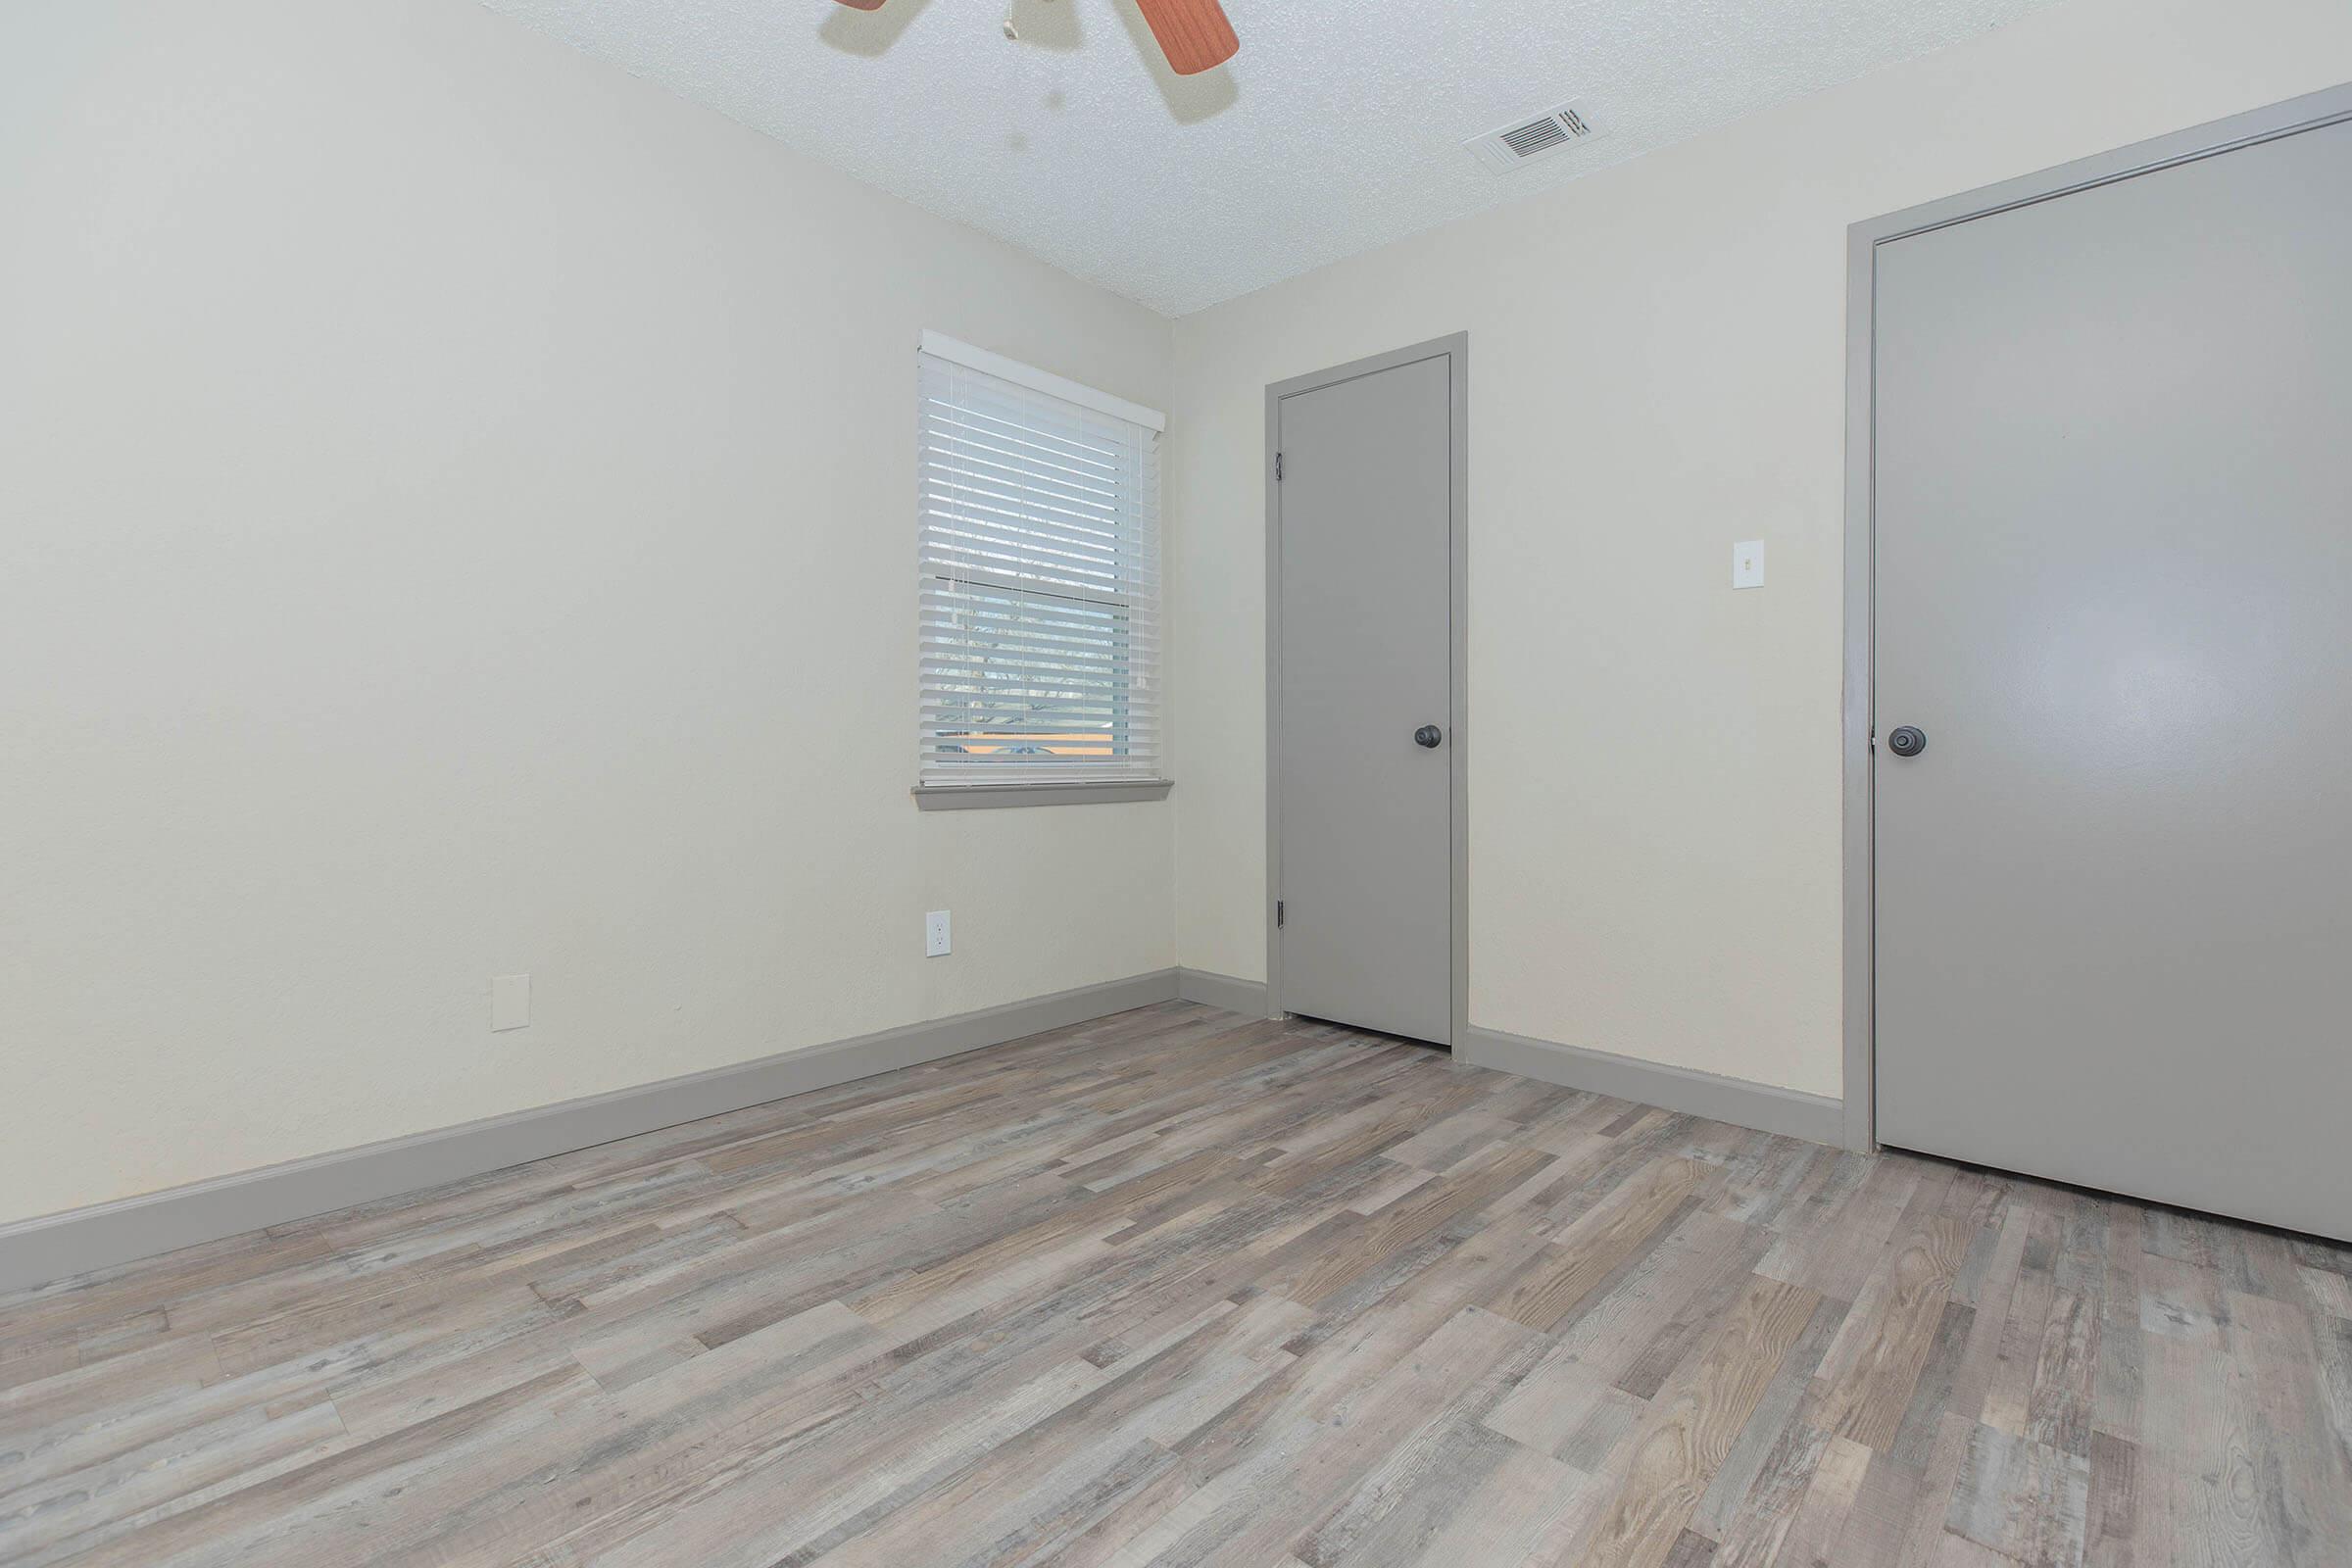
<point x="970" y="590"/>
<point x="965" y="517"/>
<point x="968" y="462"/>
<point x="1037" y="584"/>
<point x="1002" y="652"/>
<point x="1012" y="713"/>
<point x="1036" y="649"/>
<point x="1045" y="750"/>
<point x="974" y="576"/>
<point x="946" y="675"/>
<point x="1016" y="557"/>
<point x="963" y="400"/>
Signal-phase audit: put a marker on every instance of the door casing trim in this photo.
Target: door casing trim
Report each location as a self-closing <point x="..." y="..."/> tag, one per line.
<point x="2309" y="112"/>
<point x="1456" y="349"/>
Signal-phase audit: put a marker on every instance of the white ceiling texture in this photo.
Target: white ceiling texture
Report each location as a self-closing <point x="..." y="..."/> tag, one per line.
<point x="1339" y="126"/>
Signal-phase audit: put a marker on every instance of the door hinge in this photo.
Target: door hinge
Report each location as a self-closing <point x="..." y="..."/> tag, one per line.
<point x="1278" y="911"/>
<point x="1278" y="468"/>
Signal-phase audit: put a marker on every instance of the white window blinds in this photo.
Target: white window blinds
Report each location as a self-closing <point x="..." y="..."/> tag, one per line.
<point x="1039" y="583"/>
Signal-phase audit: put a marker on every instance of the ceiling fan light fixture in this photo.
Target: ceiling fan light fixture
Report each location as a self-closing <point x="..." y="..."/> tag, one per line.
<point x="1194" y="34"/>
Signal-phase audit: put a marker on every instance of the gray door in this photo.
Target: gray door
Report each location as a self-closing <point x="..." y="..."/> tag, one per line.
<point x="1363" y="524"/>
<point x="2114" y="502"/>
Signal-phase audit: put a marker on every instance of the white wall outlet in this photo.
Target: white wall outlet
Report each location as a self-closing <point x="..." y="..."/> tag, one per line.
<point x="510" y="1002"/>
<point x="935" y="934"/>
<point x="1747" y="565"/>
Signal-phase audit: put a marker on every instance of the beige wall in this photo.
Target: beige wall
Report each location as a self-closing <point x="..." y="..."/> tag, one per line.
<point x="456" y="518"/>
<point x="1657" y="359"/>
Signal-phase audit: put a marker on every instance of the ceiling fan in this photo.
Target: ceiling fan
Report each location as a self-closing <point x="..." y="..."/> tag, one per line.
<point x="1194" y="34"/>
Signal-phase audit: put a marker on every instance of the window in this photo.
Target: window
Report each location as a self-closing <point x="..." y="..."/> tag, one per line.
<point x="1040" y="584"/>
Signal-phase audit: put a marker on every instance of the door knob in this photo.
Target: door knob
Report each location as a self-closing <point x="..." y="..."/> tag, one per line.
<point x="1907" y="740"/>
<point x="1428" y="735"/>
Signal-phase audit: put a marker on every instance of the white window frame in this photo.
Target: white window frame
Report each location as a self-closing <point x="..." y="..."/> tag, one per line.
<point x="937" y="785"/>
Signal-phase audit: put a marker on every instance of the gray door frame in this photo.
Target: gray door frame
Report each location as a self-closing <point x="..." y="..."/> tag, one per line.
<point x="1454" y="349"/>
<point x="2295" y="114"/>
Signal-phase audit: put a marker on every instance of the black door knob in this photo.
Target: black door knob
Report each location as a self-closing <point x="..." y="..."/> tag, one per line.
<point x="1428" y="735"/>
<point x="1907" y="740"/>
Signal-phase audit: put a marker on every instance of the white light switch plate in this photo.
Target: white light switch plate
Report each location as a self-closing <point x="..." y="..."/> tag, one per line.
<point x="1747" y="565"/>
<point x="935" y="934"/>
<point x="510" y="1002"/>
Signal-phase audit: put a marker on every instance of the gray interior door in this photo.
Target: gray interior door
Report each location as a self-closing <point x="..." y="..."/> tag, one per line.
<point x="1362" y="526"/>
<point x="2114" y="502"/>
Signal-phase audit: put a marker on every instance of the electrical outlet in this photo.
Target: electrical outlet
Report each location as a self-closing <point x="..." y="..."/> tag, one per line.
<point x="935" y="934"/>
<point x="1747" y="565"/>
<point x="510" y="1002"/>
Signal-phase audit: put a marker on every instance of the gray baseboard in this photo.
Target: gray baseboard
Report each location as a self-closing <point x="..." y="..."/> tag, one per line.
<point x="1813" y="1117"/>
<point x="54" y="1246"/>
<point x="1223" y="991"/>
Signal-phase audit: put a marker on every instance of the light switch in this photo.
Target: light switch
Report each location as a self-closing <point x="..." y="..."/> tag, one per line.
<point x="510" y="1002"/>
<point x="1747" y="565"/>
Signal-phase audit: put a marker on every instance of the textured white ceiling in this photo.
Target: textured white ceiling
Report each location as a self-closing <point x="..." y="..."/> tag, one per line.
<point x="1337" y="129"/>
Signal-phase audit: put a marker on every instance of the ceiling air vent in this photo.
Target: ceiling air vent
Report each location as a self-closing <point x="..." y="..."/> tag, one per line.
<point x="1522" y="143"/>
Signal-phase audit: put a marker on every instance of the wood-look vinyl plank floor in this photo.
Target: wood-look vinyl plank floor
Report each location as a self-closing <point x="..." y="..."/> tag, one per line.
<point x="1181" y="1288"/>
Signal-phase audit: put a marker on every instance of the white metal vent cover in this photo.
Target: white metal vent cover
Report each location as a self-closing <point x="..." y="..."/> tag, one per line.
<point x="1523" y="141"/>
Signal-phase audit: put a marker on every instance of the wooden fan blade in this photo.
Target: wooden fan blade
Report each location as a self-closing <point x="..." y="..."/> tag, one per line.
<point x="1193" y="33"/>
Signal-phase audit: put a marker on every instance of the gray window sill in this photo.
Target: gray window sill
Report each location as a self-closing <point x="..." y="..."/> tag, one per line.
<point x="989" y="796"/>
